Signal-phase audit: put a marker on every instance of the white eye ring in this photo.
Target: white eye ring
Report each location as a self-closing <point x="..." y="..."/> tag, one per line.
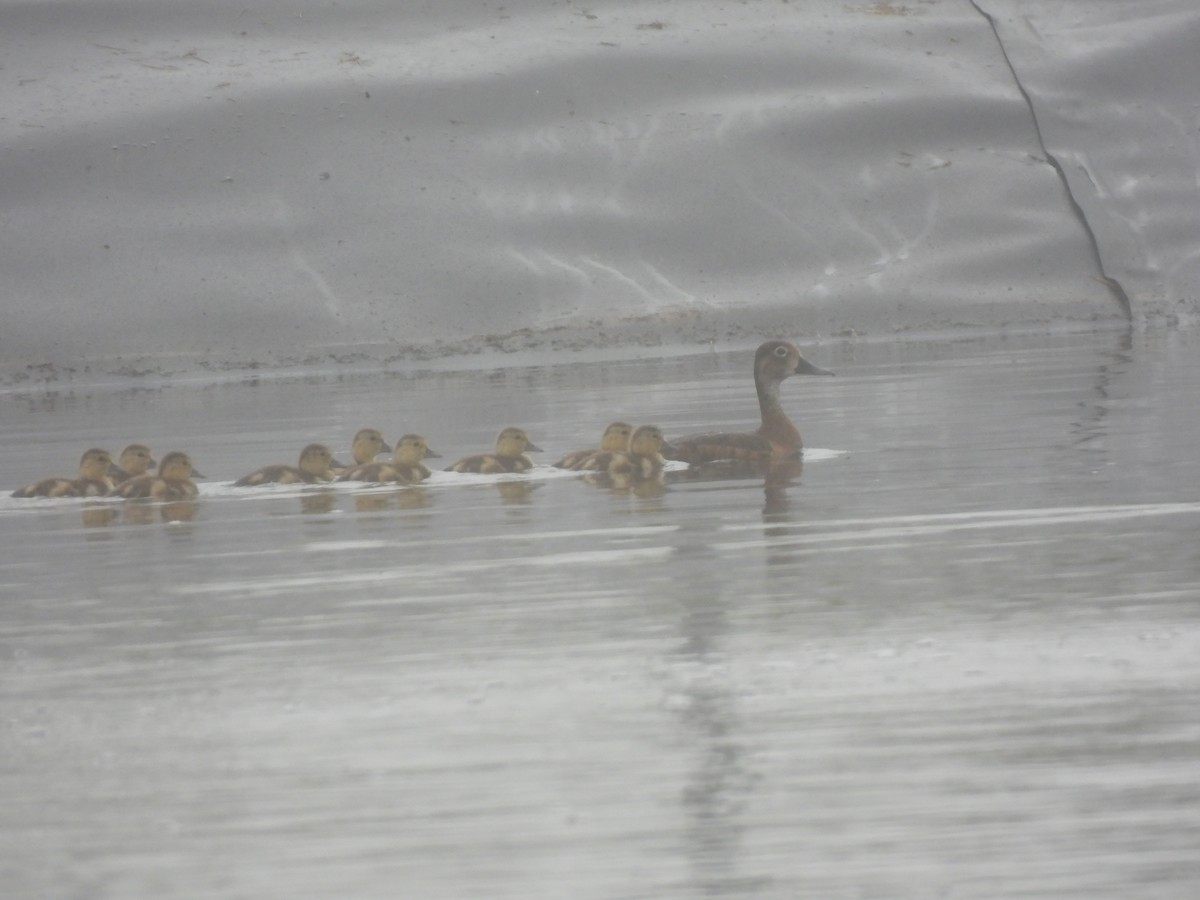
<point x="781" y="351"/>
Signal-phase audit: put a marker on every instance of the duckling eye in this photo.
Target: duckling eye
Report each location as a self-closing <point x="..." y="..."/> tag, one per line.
<point x="781" y="352"/>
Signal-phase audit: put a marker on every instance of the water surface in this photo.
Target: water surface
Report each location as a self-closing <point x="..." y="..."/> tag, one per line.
<point x="957" y="655"/>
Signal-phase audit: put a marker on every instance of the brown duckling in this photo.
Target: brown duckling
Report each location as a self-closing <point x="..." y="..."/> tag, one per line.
<point x="173" y="481"/>
<point x="93" y="480"/>
<point x="614" y="439"/>
<point x="312" y="468"/>
<point x="777" y="438"/>
<point x="367" y="444"/>
<point x="405" y="467"/>
<point x="643" y="458"/>
<point x="135" y="460"/>
<point x="511" y="445"/>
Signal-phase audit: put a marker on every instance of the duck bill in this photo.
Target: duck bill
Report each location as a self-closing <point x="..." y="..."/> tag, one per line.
<point x="804" y="367"/>
<point x="196" y="473"/>
<point x="337" y="464"/>
<point x="668" y="450"/>
<point x="432" y="454"/>
<point x="386" y="448"/>
<point x="530" y="445"/>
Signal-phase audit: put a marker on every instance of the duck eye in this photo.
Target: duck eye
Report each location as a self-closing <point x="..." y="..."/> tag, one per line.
<point x="781" y="351"/>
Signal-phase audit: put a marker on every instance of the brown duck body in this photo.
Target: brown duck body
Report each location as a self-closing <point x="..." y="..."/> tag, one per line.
<point x="615" y="439"/>
<point x="312" y="468"/>
<point x="510" y="456"/>
<point x="173" y="481"/>
<point x="404" y="468"/>
<point x="776" y="438"/>
<point x="93" y="480"/>
<point x="135" y="460"/>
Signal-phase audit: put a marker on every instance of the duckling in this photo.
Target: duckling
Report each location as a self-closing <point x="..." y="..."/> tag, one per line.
<point x="367" y="444"/>
<point x="511" y="445"/>
<point x="615" y="438"/>
<point x="312" y="468"/>
<point x="777" y="438"/>
<point x="135" y="460"/>
<point x="93" y="480"/>
<point x="405" y="468"/>
<point x="173" y="481"/>
<point x="643" y="458"/>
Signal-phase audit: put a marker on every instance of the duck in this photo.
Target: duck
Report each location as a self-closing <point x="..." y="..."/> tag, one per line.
<point x="135" y="460"/>
<point x="615" y="438"/>
<point x="367" y="444"/>
<point x="313" y="467"/>
<point x="93" y="480"/>
<point x="777" y="438"/>
<point x="173" y="481"/>
<point x="405" y="466"/>
<point x="511" y="445"/>
<point x="642" y="459"/>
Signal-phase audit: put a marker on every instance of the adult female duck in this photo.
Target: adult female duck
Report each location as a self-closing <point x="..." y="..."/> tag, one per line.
<point x="777" y="438"/>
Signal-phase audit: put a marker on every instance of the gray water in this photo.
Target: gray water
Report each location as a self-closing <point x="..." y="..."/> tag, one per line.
<point x="955" y="656"/>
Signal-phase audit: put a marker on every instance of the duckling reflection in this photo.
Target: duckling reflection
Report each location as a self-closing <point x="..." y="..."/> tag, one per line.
<point x="135" y="460"/>
<point x="615" y="438"/>
<point x="776" y="438"/>
<point x="98" y="515"/>
<point x="401" y="498"/>
<point x="511" y="445"/>
<point x="173" y="481"/>
<point x="318" y="502"/>
<point x="367" y="444"/>
<point x="314" y="467"/>
<point x="406" y="466"/>
<point x="138" y="513"/>
<point x="93" y="480"/>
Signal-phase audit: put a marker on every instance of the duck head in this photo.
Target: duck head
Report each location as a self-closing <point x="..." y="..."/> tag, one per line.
<point x="513" y="442"/>
<point x="412" y="448"/>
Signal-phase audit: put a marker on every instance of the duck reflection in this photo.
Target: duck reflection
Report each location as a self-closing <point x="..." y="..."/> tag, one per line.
<point x="142" y="512"/>
<point x="401" y="498"/>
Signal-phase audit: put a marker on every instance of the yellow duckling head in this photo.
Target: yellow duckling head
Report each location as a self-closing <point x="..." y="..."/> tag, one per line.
<point x="513" y="442"/>
<point x="315" y="460"/>
<point x="368" y="444"/>
<point x="176" y="466"/>
<point x="135" y="460"/>
<point x="646" y="440"/>
<point x="412" y="448"/>
<point x="616" y="436"/>
<point x="94" y="464"/>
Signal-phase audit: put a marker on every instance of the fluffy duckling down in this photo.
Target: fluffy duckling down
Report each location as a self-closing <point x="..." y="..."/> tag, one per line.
<point x="93" y="480"/>
<point x="511" y="445"/>
<point x="642" y="459"/>
<point x="173" y="481"/>
<point x="406" y="466"/>
<point x="135" y="460"/>
<point x="367" y="444"/>
<point x="314" y="467"/>
<point x="615" y="438"/>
